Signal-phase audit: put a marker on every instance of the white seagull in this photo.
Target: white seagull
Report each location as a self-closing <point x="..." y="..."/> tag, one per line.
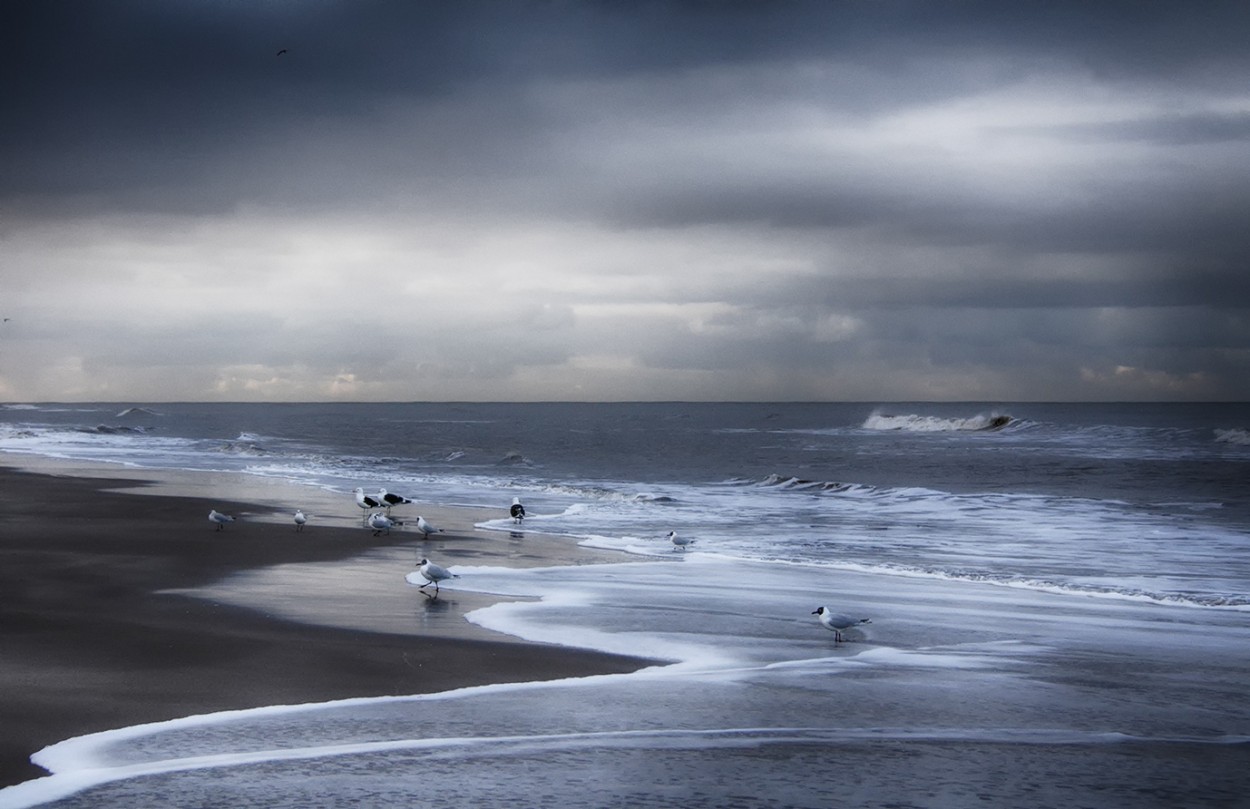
<point x="219" y="519"/>
<point x="433" y="574"/>
<point x="426" y="529"/>
<point x="379" y="522"/>
<point x="517" y="511"/>
<point x="387" y="499"/>
<point x="300" y="519"/>
<point x="679" y="542"/>
<point x="366" y="502"/>
<point x="835" y="622"/>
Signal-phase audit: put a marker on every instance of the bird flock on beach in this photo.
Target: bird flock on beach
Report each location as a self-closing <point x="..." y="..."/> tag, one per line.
<point x="376" y="514"/>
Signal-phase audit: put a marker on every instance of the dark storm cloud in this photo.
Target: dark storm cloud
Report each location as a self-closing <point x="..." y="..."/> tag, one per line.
<point x="134" y="103"/>
<point x="999" y="196"/>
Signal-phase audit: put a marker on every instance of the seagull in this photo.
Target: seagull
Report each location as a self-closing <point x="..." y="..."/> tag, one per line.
<point x="679" y="542"/>
<point x="366" y="502"/>
<point x="219" y="519"/>
<point x="379" y="522"/>
<point x="279" y="53"/>
<point x="387" y="499"/>
<point x="300" y="519"/>
<point x="433" y="574"/>
<point x="426" y="529"/>
<point x="835" y="622"/>
<point x="517" y="511"/>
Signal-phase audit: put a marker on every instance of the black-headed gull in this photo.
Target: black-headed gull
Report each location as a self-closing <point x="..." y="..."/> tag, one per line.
<point x="219" y="519"/>
<point x="835" y="622"/>
<point x="379" y="522"/>
<point x="389" y="499"/>
<point x="517" y="510"/>
<point x="300" y="519"/>
<point x="433" y="574"/>
<point x="679" y="542"/>
<point x="426" y="529"/>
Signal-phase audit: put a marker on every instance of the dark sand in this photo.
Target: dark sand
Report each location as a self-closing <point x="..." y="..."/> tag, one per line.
<point x="88" y="643"/>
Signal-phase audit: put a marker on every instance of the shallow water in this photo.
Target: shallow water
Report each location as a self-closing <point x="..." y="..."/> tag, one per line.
<point x="954" y="690"/>
<point x="1060" y="607"/>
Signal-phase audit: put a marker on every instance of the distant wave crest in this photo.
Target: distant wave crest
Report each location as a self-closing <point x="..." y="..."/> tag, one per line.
<point x="107" y="429"/>
<point x="800" y="484"/>
<point x="1238" y="435"/>
<point x="1235" y="601"/>
<point x="933" y="424"/>
<point x="514" y="458"/>
<point x="137" y="411"/>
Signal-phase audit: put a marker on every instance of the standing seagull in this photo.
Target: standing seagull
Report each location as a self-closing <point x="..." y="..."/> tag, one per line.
<point x="379" y="522"/>
<point x="679" y="542"/>
<point x="219" y="519"/>
<point x="387" y="499"/>
<point x="426" y="529"/>
<point x="835" y="622"/>
<point x="433" y="574"/>
<point x="366" y="502"/>
<point x="300" y="519"/>
<point x="517" y="511"/>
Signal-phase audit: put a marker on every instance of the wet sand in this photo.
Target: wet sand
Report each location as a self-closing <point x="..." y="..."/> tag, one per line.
<point x="94" y="633"/>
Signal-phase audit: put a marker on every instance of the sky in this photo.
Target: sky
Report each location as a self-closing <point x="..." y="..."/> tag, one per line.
<point x="856" y="200"/>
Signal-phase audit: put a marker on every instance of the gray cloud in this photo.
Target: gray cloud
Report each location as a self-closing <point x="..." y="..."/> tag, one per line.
<point x="624" y="200"/>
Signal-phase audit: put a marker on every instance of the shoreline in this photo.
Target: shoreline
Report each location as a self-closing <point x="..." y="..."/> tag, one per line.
<point x="102" y="627"/>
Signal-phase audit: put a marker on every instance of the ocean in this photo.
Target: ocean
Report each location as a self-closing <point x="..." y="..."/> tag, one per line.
<point x="1059" y="598"/>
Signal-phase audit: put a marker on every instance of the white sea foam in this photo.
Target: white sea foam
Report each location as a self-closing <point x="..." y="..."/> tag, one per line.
<point x="936" y="424"/>
<point x="1239" y="436"/>
<point x="744" y="665"/>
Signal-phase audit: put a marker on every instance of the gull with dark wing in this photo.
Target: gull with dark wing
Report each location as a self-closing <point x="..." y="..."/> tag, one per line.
<point x="388" y="499"/>
<point x="366" y="502"/>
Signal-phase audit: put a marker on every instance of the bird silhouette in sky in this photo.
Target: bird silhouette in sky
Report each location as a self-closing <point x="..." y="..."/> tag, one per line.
<point x="279" y="53"/>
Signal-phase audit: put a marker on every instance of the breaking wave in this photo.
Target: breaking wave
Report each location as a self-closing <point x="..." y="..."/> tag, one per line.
<point x="1236" y="601"/>
<point x="108" y="429"/>
<point x="1238" y="435"/>
<point x="775" y="481"/>
<point x="934" y="424"/>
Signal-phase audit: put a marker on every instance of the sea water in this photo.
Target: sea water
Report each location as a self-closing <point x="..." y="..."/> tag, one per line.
<point x="1059" y="595"/>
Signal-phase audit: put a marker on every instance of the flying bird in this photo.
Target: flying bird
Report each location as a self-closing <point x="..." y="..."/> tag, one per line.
<point x="835" y="622"/>
<point x="279" y="53"/>
<point x="300" y="519"/>
<point x="433" y="574"/>
<point x="426" y="529"/>
<point x="679" y="542"/>
<point x="219" y="519"/>
<point x="517" y="511"/>
<point x="379" y="522"/>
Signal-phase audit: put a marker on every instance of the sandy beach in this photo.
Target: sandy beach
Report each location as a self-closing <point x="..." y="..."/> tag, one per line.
<point x="93" y="635"/>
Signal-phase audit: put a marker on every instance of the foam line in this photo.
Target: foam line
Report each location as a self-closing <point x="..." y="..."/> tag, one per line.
<point x="56" y="787"/>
